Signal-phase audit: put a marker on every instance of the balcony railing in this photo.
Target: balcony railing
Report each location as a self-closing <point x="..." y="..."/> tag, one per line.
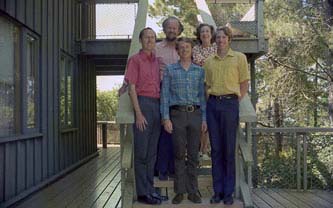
<point x="293" y="158"/>
<point x="107" y="133"/>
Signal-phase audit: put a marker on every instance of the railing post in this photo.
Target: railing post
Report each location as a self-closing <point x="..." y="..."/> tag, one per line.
<point x="305" y="153"/>
<point x="298" y="162"/>
<point x="249" y="141"/>
<point x="104" y="134"/>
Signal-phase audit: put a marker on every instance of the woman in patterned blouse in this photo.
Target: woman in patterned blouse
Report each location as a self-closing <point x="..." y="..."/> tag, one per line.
<point x="205" y="48"/>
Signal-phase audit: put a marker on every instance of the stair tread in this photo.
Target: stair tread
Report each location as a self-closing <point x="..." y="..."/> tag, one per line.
<point x="186" y="203"/>
<point x="203" y="180"/>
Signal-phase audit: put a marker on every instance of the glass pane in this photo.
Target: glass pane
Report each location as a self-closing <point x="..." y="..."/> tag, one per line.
<point x="62" y="91"/>
<point x="31" y="82"/>
<point x="8" y="77"/>
<point x="69" y="94"/>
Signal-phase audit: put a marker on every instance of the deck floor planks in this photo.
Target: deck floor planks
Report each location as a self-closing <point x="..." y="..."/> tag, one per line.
<point x="282" y="200"/>
<point x="328" y="196"/>
<point x="311" y="200"/>
<point x="46" y="197"/>
<point x="114" y="201"/>
<point x="67" y="197"/>
<point x="267" y="198"/>
<point x="108" y="192"/>
<point x="90" y="195"/>
<point x="42" y="197"/>
<point x="97" y="184"/>
<point x="258" y="202"/>
<point x="292" y="198"/>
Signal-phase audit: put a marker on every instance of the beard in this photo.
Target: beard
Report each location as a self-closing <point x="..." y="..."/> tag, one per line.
<point x="171" y="39"/>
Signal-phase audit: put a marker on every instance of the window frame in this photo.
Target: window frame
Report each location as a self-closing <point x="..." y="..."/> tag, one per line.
<point x="69" y="61"/>
<point x="37" y="60"/>
<point x="20" y="127"/>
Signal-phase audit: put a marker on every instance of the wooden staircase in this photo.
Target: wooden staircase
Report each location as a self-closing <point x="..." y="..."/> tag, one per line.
<point x="243" y="154"/>
<point x="205" y="190"/>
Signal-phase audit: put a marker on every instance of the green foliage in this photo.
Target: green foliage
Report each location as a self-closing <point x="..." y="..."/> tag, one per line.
<point x="185" y="10"/>
<point x="107" y="104"/>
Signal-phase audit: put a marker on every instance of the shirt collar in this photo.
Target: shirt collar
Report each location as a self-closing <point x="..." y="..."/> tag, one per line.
<point x="229" y="53"/>
<point x="145" y="56"/>
<point x="181" y="67"/>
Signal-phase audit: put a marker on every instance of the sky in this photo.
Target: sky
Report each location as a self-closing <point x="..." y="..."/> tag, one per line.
<point x="111" y="23"/>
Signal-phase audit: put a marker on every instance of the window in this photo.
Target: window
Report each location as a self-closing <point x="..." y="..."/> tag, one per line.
<point x="31" y="82"/>
<point x="9" y="59"/>
<point x="19" y="55"/>
<point x="66" y="91"/>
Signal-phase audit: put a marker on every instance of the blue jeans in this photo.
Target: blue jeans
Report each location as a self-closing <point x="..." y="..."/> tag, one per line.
<point x="223" y="120"/>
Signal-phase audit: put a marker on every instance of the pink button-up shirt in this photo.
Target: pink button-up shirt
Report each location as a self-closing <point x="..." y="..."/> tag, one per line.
<point x="165" y="54"/>
<point x="143" y="72"/>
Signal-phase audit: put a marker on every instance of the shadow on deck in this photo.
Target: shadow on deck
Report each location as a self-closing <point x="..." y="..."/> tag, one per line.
<point x="97" y="184"/>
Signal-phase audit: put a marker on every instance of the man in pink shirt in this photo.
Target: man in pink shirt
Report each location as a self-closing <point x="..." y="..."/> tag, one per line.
<point x="143" y="78"/>
<point x="167" y="54"/>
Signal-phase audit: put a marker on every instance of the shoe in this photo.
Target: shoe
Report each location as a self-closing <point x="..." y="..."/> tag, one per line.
<point x="159" y="196"/>
<point x="228" y="200"/>
<point x="194" y="198"/>
<point x="148" y="199"/>
<point x="216" y="198"/>
<point x="177" y="199"/>
<point x="163" y="177"/>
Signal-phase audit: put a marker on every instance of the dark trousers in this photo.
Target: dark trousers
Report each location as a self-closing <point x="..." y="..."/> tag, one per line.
<point x="145" y="146"/>
<point x="186" y="140"/>
<point x="165" y="159"/>
<point x="222" y="120"/>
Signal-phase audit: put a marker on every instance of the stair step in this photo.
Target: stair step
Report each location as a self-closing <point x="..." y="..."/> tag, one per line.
<point x="203" y="181"/>
<point x="188" y="204"/>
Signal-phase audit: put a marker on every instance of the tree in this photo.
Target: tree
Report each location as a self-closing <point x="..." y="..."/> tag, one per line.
<point x="185" y="10"/>
<point x="107" y="104"/>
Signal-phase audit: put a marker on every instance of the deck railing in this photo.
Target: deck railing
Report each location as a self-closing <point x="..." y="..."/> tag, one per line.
<point x="107" y="133"/>
<point x="293" y="158"/>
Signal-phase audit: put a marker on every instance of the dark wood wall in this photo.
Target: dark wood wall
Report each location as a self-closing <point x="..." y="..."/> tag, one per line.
<point x="28" y="162"/>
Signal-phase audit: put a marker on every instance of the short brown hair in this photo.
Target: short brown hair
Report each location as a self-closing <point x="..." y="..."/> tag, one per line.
<point x="226" y="30"/>
<point x="198" y="31"/>
<point x="183" y="39"/>
<point x="143" y="30"/>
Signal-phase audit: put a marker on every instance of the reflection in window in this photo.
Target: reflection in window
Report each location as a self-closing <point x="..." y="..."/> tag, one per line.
<point x="9" y="78"/>
<point x="32" y="69"/>
<point x="66" y="91"/>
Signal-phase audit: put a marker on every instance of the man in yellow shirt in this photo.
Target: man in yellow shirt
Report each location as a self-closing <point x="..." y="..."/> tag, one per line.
<point x="227" y="76"/>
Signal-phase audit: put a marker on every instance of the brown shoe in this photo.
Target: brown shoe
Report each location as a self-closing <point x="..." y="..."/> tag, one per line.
<point x="194" y="198"/>
<point x="177" y="199"/>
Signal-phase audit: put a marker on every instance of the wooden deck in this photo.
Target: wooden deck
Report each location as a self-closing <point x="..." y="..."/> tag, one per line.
<point x="97" y="184"/>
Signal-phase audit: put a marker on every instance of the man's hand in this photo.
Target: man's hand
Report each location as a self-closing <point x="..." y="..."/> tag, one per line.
<point x="204" y="127"/>
<point x="168" y="126"/>
<point x="140" y="122"/>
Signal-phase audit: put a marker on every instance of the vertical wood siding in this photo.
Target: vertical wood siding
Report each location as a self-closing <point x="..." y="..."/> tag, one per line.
<point x="26" y="163"/>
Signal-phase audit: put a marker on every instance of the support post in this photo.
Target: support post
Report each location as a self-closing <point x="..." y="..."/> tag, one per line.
<point x="305" y="154"/>
<point x="104" y="134"/>
<point x="298" y="177"/>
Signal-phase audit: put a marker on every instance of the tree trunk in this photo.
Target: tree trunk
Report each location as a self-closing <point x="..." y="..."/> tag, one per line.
<point x="329" y="16"/>
<point x="330" y="100"/>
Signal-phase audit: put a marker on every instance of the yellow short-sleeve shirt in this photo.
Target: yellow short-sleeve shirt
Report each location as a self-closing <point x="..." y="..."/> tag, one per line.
<point x="224" y="75"/>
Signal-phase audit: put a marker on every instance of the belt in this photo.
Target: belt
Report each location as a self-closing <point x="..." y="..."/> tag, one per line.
<point x="227" y="96"/>
<point x="185" y="108"/>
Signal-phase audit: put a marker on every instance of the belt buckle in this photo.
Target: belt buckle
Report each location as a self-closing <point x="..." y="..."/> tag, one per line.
<point x="190" y="108"/>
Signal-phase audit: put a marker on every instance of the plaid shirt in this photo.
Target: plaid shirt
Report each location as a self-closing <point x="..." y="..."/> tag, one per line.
<point x="181" y="87"/>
